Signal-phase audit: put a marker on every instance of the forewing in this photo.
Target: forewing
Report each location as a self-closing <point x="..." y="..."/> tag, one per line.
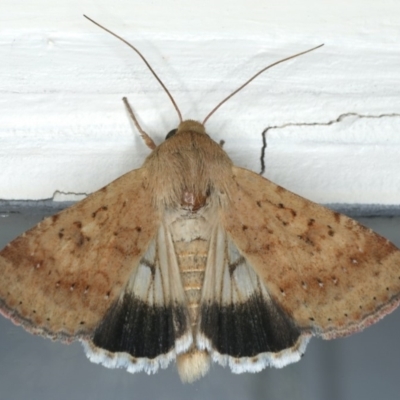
<point x="331" y="275"/>
<point x="61" y="277"/>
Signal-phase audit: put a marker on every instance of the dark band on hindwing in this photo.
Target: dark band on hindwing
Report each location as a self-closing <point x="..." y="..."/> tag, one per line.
<point x="140" y="329"/>
<point x="249" y="328"/>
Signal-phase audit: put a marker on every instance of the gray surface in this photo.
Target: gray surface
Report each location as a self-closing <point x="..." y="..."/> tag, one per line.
<point x="364" y="366"/>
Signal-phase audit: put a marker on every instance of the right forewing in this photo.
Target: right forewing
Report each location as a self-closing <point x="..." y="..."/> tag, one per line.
<point x="329" y="274"/>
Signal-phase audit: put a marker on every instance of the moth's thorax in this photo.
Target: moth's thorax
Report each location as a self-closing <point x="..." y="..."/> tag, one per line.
<point x="185" y="169"/>
<point x="191" y="233"/>
<point x="190" y="125"/>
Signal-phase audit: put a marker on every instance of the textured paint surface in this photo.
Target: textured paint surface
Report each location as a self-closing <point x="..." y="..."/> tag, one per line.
<point x="62" y="82"/>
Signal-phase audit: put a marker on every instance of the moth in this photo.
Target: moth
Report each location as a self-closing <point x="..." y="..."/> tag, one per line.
<point x="191" y="258"/>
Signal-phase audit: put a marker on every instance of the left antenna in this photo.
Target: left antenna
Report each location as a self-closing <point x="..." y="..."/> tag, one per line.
<point x="145" y="61"/>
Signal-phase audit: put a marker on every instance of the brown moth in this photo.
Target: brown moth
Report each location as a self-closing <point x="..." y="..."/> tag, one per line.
<point x="193" y="259"/>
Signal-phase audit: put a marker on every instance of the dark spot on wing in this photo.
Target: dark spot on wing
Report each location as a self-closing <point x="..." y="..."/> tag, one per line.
<point x="103" y="208"/>
<point x="337" y="217"/>
<point x="306" y="239"/>
<point x="80" y="240"/>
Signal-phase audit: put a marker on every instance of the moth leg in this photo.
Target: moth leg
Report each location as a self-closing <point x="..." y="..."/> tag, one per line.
<point x="147" y="139"/>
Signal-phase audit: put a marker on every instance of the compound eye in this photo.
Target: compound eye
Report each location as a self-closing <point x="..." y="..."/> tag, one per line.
<point x="170" y="134"/>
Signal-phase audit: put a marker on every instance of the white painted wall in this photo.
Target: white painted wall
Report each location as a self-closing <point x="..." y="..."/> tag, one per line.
<point x="63" y="126"/>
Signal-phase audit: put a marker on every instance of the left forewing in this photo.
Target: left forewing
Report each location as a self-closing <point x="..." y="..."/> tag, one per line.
<point x="329" y="274"/>
<point x="60" y="277"/>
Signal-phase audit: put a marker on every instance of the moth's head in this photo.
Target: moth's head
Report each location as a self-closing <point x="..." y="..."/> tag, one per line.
<point x="187" y="126"/>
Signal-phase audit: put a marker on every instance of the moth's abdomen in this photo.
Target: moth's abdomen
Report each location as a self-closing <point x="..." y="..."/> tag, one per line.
<point x="192" y="258"/>
<point x="190" y="234"/>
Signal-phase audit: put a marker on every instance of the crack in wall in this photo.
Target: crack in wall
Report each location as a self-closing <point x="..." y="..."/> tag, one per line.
<point x="340" y="118"/>
<point x="68" y="196"/>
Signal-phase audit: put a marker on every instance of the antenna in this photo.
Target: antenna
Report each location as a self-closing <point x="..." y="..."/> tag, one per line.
<point x="145" y="61"/>
<point x="254" y="77"/>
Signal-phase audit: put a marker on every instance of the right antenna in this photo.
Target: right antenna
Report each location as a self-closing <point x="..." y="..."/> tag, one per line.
<point x="254" y="77"/>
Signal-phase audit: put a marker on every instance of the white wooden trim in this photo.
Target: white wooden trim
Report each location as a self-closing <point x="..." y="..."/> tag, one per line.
<point x="63" y="126"/>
